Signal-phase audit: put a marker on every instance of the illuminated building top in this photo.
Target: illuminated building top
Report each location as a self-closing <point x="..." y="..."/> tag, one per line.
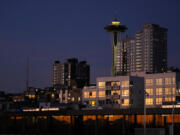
<point x="115" y="27"/>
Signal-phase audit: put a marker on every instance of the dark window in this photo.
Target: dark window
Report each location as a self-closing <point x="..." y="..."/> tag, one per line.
<point x="108" y="92"/>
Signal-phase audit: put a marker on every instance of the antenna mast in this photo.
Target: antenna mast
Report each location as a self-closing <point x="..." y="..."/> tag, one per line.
<point x="27" y="74"/>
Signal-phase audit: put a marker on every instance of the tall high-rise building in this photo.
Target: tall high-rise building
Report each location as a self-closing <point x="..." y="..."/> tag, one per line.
<point x="151" y="49"/>
<point x="146" y="52"/>
<point x="130" y="48"/>
<point x="71" y="74"/>
<point x="56" y="73"/>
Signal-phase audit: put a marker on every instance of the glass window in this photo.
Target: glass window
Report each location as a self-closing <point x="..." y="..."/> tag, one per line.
<point x="86" y="94"/>
<point x="158" y="91"/>
<point x="125" y="84"/>
<point x="167" y="81"/>
<point x="158" y="101"/>
<point x="115" y="83"/>
<point x="173" y="80"/>
<point x="125" y="92"/>
<point x="159" y="81"/>
<point x="101" y="93"/>
<point x="101" y="102"/>
<point x="173" y="91"/>
<point x="115" y="92"/>
<point x="118" y="101"/>
<point x="149" y="82"/>
<point x="168" y="99"/>
<point x="101" y="84"/>
<point x="93" y="103"/>
<point x="149" y="101"/>
<point x="125" y="102"/>
<point x="92" y="94"/>
<point x="149" y="91"/>
<point x="167" y="91"/>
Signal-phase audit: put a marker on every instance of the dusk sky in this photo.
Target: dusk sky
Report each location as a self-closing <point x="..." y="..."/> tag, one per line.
<point x="48" y="30"/>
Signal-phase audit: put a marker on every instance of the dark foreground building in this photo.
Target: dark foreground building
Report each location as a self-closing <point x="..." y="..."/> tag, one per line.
<point x="92" y="122"/>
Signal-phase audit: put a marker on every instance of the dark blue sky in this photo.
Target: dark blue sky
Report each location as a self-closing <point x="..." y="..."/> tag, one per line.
<point x="48" y="30"/>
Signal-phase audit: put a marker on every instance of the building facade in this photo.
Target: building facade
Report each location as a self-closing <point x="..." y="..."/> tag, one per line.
<point x="70" y="96"/>
<point x="116" y="92"/>
<point x="161" y="88"/>
<point x="129" y="91"/>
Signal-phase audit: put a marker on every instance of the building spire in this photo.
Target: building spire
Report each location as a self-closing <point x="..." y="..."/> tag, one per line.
<point x="115" y="17"/>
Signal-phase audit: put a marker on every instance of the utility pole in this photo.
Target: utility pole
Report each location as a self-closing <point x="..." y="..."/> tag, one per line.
<point x="172" y="120"/>
<point x="27" y="74"/>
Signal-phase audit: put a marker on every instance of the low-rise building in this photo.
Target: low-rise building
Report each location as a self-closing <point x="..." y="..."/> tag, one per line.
<point x="70" y="95"/>
<point x="115" y="92"/>
<point x="161" y="88"/>
<point x="129" y="91"/>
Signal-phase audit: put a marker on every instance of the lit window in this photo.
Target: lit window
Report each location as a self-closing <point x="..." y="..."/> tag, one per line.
<point x="92" y="94"/>
<point x="101" y="84"/>
<point x="167" y="81"/>
<point x="125" y="84"/>
<point x="93" y="103"/>
<point x="149" y="101"/>
<point x="125" y="92"/>
<point x="158" y="101"/>
<point x="101" y="93"/>
<point x="149" y="91"/>
<point x="158" y="91"/>
<point x="115" y="83"/>
<point x="168" y="99"/>
<point x="177" y="90"/>
<point x="52" y="95"/>
<point x="31" y="96"/>
<point x="167" y="91"/>
<point x="173" y="91"/>
<point x="173" y="80"/>
<point x="159" y="81"/>
<point x="86" y="94"/>
<point x="149" y="82"/>
<point x="125" y="102"/>
<point x="115" y="92"/>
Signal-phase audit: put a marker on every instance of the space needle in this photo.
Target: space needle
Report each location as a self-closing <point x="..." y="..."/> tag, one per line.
<point x="116" y="29"/>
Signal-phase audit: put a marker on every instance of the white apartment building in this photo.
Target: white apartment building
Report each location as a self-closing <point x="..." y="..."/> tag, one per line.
<point x="129" y="91"/>
<point x="161" y="88"/>
<point x="115" y="92"/>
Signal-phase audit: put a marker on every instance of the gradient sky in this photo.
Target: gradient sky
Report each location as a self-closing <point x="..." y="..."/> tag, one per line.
<point x="48" y="30"/>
